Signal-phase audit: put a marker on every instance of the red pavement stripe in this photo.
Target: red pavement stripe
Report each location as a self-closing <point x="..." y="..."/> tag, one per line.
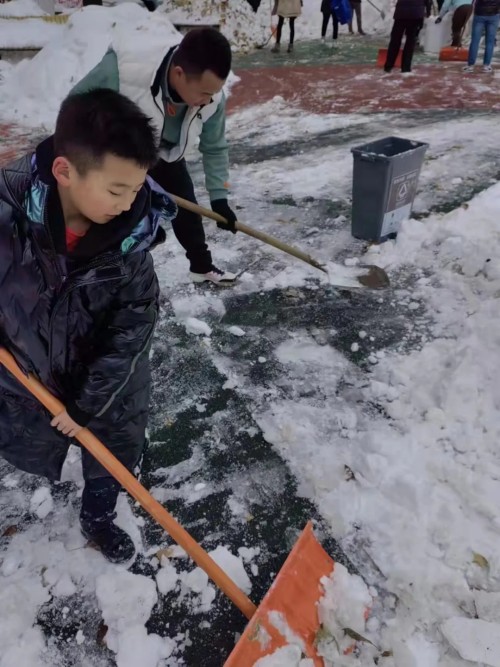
<point x="365" y="88"/>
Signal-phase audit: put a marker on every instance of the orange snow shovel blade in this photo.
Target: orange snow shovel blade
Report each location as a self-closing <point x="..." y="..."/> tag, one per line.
<point x="454" y="54"/>
<point x="290" y="605"/>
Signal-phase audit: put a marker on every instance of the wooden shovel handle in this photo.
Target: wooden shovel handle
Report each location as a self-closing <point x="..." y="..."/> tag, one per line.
<point x="136" y="490"/>
<point x="250" y="231"/>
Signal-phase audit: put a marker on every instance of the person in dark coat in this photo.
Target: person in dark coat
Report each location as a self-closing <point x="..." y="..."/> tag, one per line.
<point x="327" y="11"/>
<point x="79" y="296"/>
<point x="408" y="20"/>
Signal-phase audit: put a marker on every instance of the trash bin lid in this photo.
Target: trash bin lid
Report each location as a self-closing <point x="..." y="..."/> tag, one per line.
<point x="387" y="148"/>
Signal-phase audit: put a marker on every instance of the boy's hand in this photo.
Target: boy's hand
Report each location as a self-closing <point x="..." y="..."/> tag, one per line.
<point x="65" y="424"/>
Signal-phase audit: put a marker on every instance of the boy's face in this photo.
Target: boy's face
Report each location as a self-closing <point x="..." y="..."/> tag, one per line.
<point x="196" y="90"/>
<point x="102" y="192"/>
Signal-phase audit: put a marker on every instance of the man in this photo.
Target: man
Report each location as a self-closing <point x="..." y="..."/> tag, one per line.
<point x="179" y="85"/>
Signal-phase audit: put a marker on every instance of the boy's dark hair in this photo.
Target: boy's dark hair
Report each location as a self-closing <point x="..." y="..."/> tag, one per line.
<point x="92" y="124"/>
<point x="204" y="49"/>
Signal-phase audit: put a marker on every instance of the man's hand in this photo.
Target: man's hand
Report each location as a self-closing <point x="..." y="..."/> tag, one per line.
<point x="66" y="425"/>
<point x="221" y="207"/>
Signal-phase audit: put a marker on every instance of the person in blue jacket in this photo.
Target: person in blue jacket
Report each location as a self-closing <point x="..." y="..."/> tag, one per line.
<point x="462" y="10"/>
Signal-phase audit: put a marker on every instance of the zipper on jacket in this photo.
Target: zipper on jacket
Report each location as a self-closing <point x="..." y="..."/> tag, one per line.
<point x="133" y="364"/>
<point x="196" y="115"/>
<point x="62" y="276"/>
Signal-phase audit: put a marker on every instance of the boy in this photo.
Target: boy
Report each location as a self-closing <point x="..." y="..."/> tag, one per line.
<point x="79" y="296"/>
<point x="178" y="83"/>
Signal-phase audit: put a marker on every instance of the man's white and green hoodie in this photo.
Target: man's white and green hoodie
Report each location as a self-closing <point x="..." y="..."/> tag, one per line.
<point x="140" y="73"/>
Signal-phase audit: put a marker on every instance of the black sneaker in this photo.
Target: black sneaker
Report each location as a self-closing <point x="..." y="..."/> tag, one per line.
<point x="112" y="541"/>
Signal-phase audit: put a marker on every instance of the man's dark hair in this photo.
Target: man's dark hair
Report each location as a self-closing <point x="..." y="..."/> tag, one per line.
<point x="91" y="125"/>
<point x="204" y="49"/>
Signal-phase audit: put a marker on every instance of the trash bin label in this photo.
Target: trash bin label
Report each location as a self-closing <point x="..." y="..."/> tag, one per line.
<point x="401" y="195"/>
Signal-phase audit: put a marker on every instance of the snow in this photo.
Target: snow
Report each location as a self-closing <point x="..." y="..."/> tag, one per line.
<point x="345" y="604"/>
<point x="167" y="578"/>
<point x="29" y="33"/>
<point x="232" y="566"/>
<point x="41" y="503"/>
<point x="245" y="29"/>
<point x="83" y="40"/>
<point x="475" y="640"/>
<point x="197" y="327"/>
<point x="287" y="656"/>
<point x="126" y="601"/>
<point x="236" y="331"/>
<point x="20" y="8"/>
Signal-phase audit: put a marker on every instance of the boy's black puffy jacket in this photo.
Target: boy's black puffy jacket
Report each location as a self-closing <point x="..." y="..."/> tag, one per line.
<point x="81" y="322"/>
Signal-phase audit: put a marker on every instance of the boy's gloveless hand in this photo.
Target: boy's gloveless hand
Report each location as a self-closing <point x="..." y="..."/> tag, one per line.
<point x="63" y="422"/>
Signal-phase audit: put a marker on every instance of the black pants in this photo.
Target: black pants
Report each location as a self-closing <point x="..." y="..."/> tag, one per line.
<point x="356" y="9"/>
<point x="99" y="500"/>
<point x="335" y="21"/>
<point x="188" y="227"/>
<point x="402" y="27"/>
<point x="460" y="17"/>
<point x="281" y="21"/>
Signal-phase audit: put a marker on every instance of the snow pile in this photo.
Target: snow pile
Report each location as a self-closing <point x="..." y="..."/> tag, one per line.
<point x="233" y="567"/>
<point x="19" y="8"/>
<point x="474" y="639"/>
<point x="343" y="611"/>
<point x="238" y="22"/>
<point x="424" y="491"/>
<point x="126" y="601"/>
<point x="29" y="33"/>
<point x="41" y="503"/>
<point x="83" y="41"/>
<point x="197" y="327"/>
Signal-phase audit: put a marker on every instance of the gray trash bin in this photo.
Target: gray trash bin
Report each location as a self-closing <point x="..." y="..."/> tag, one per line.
<point x="385" y="179"/>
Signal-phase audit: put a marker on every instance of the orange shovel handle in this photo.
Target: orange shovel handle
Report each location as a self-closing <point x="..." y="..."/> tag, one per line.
<point x="136" y="490"/>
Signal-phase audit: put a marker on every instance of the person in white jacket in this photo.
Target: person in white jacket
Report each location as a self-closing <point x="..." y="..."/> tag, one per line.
<point x="462" y="10"/>
<point x="286" y="9"/>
